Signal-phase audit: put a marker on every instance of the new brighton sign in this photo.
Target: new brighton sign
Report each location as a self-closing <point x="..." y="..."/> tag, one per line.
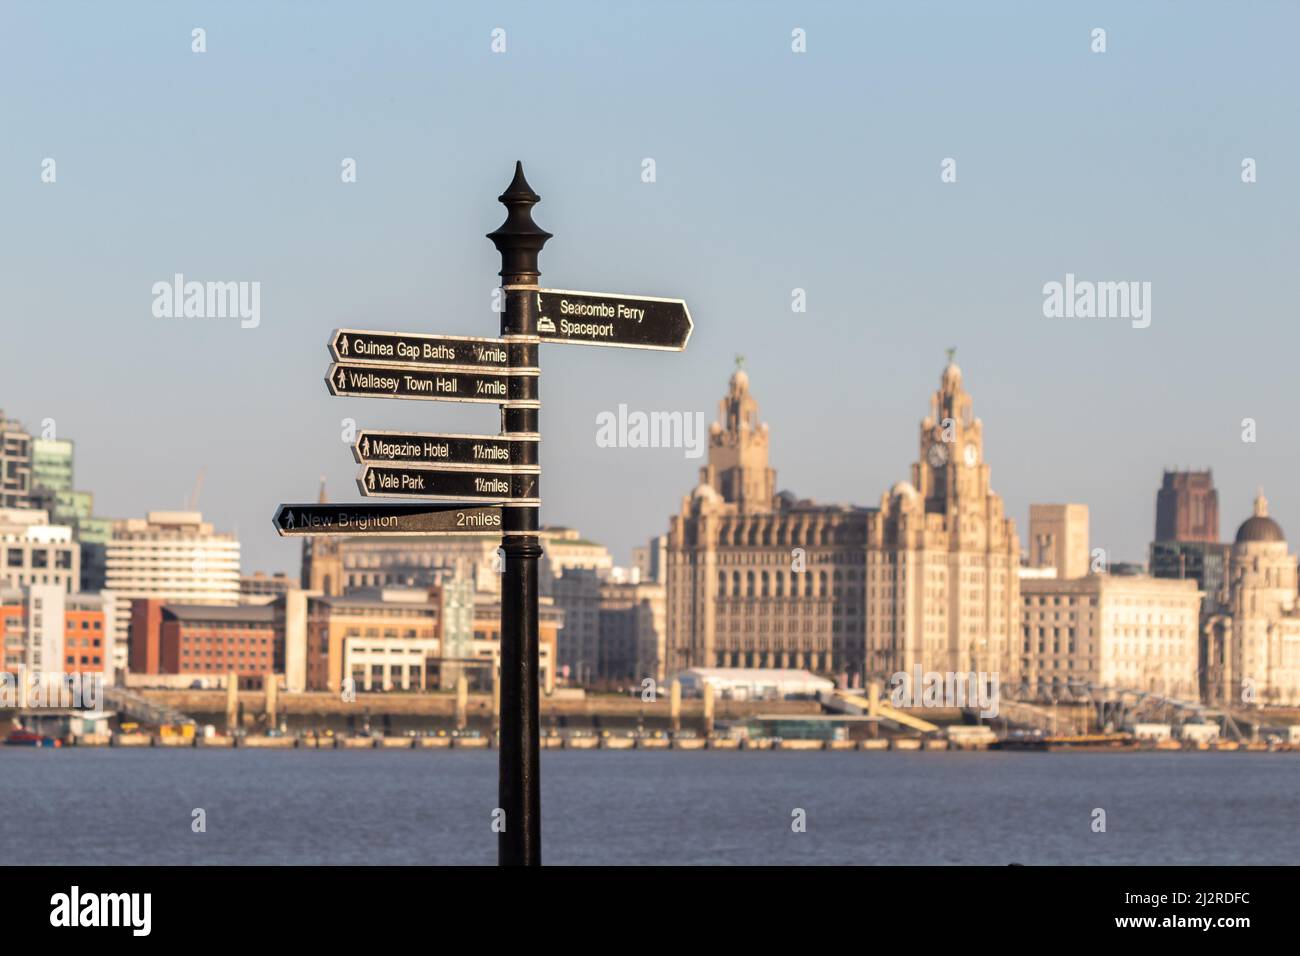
<point x="494" y="480"/>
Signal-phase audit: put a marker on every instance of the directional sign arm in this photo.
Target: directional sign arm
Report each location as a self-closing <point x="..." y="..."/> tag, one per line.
<point x="417" y="350"/>
<point x="610" y="318"/>
<point x="434" y="385"/>
<point x="380" y="518"/>
<point x="515" y="486"/>
<point x="428" y="448"/>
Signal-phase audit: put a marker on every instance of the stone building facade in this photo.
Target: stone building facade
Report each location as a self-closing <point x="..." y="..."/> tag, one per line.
<point x="1105" y="631"/>
<point x="757" y="579"/>
<point x="942" y="557"/>
<point x="1251" y="650"/>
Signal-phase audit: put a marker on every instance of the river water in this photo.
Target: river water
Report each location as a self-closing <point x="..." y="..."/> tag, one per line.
<point x="129" y="806"/>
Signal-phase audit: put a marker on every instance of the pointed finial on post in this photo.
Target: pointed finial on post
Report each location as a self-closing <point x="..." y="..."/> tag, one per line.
<point x="519" y="239"/>
<point x="952" y="354"/>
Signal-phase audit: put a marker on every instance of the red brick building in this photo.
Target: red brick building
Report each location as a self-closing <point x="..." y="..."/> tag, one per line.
<point x="1187" y="507"/>
<point x="204" y="639"/>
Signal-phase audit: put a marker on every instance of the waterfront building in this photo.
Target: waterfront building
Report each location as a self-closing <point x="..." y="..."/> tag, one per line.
<point x="392" y="639"/>
<point x="755" y="579"/>
<point x="205" y="640"/>
<point x="174" y="556"/>
<point x="614" y="627"/>
<point x="942" y="557"/>
<point x="1129" y="632"/>
<point x="487" y="641"/>
<point x="1251" y="647"/>
<point x="577" y="594"/>
<point x="338" y="565"/>
<point x="33" y="551"/>
<point x="633" y="629"/>
<point x="738" y="683"/>
<point x="1058" y="538"/>
<point x="46" y="630"/>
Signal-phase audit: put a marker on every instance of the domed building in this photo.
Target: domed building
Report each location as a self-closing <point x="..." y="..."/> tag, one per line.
<point x="758" y="579"/>
<point x="1259" y="528"/>
<point x="1252" y="648"/>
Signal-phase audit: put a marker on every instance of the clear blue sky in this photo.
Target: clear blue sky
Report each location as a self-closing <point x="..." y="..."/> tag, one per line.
<point x="775" y="171"/>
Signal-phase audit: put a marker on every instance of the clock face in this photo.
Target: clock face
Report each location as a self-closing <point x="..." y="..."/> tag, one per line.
<point x="938" y="455"/>
<point x="972" y="456"/>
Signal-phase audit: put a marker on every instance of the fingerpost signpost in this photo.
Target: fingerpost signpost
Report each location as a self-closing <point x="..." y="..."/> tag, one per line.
<point x="494" y="479"/>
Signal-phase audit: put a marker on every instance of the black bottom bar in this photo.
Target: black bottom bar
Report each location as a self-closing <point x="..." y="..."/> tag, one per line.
<point x="915" y="907"/>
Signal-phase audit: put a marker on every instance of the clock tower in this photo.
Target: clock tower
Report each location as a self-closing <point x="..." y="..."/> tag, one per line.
<point x="942" y="557"/>
<point x="951" y="466"/>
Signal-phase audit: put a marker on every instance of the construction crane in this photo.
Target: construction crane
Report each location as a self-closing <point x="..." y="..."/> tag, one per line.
<point x="192" y="503"/>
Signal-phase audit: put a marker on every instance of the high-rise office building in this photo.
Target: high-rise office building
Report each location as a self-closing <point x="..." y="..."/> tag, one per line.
<point x="51" y="465"/>
<point x="53" y="490"/>
<point x="173" y="555"/>
<point x="35" y="552"/>
<point x="15" y="464"/>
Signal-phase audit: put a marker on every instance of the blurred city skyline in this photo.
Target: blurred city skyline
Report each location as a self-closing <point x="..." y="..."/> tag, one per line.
<point x="774" y="171"/>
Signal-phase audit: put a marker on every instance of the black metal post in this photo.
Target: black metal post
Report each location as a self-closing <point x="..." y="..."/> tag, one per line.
<point x="519" y="240"/>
